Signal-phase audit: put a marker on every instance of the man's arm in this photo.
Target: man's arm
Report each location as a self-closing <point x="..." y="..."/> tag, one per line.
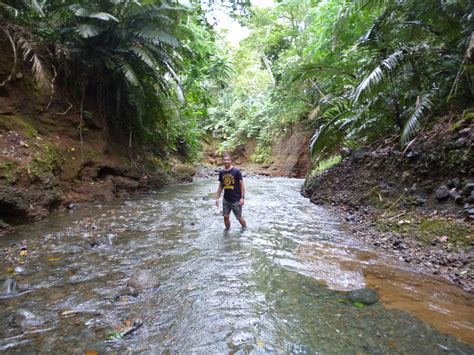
<point x="242" y="192"/>
<point x="218" y="193"/>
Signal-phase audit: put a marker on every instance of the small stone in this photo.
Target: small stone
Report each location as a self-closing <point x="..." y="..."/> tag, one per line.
<point x="461" y="142"/>
<point x="468" y="187"/>
<point x="19" y="270"/>
<point x="346" y="152"/>
<point x="456" y="196"/>
<point x="364" y="295"/>
<point x="470" y="212"/>
<point x="420" y="201"/>
<point x="442" y="193"/>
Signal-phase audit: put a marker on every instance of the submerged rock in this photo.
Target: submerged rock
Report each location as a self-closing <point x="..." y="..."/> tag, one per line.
<point x="364" y="295"/>
<point x="27" y="319"/>
<point x="143" y="279"/>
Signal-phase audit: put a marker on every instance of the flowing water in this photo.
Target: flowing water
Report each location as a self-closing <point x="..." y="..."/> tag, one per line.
<point x="277" y="287"/>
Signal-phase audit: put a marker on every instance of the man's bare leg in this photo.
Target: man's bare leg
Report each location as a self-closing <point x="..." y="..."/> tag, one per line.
<point x="227" y="221"/>
<point x="242" y="222"/>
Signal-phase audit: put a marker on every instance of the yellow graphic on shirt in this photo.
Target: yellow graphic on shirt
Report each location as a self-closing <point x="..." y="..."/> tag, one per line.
<point x="229" y="181"/>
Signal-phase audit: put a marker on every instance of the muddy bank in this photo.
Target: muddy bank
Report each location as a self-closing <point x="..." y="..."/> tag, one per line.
<point x="45" y="165"/>
<point x="289" y="155"/>
<point x="417" y="204"/>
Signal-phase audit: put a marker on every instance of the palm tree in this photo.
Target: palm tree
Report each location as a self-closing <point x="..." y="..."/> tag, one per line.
<point x="118" y="53"/>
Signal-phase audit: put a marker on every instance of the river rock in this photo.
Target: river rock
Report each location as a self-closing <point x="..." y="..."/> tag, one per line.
<point x="142" y="279"/>
<point x="456" y="196"/>
<point x="360" y="154"/>
<point x="346" y="152"/>
<point x="420" y="201"/>
<point x="461" y="142"/>
<point x="468" y="188"/>
<point x="364" y="295"/>
<point x="442" y="193"/>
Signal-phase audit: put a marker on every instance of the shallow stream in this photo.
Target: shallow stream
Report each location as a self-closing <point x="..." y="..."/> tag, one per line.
<point x="277" y="287"/>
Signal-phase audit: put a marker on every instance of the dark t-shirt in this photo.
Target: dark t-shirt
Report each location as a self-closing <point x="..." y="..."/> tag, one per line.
<point x="231" y="181"/>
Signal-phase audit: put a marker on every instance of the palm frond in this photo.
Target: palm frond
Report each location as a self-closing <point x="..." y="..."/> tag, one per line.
<point x="157" y="37"/>
<point x="313" y="70"/>
<point x="145" y="55"/>
<point x="31" y="52"/>
<point x="87" y="31"/>
<point x="375" y="77"/>
<point x="359" y="5"/>
<point x="419" y="111"/>
<point x="36" y="7"/>
<point x="328" y="134"/>
<point x="104" y="16"/>
<point x="9" y="9"/>
<point x="179" y="90"/>
<point x="128" y="72"/>
<point x="78" y="10"/>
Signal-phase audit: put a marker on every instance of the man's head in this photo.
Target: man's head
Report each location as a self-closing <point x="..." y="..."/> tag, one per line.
<point x="227" y="160"/>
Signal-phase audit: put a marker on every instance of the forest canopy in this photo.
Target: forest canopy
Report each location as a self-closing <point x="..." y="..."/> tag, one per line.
<point x="160" y="72"/>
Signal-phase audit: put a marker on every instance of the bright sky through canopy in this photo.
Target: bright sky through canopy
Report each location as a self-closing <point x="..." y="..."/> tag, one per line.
<point x="235" y="32"/>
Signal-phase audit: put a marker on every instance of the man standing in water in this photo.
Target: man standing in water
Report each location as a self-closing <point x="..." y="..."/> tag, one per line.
<point x="230" y="180"/>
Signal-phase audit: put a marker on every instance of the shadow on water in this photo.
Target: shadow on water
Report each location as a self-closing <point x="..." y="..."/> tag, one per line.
<point x="278" y="286"/>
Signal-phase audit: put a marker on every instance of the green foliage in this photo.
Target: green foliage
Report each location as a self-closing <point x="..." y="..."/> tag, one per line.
<point x="325" y="164"/>
<point x="352" y="71"/>
<point x="349" y="71"/>
<point x="126" y="56"/>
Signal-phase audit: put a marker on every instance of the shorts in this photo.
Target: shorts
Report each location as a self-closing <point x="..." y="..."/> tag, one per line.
<point x="234" y="206"/>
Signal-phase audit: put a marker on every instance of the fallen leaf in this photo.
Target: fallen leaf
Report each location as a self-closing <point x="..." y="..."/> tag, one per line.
<point x="91" y="352"/>
<point x="359" y="305"/>
<point x="53" y="259"/>
<point x="23" y="252"/>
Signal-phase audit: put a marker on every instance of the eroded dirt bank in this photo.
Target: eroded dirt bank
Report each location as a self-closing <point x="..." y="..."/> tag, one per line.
<point x="289" y="155"/>
<point x="417" y="203"/>
<point x="44" y="164"/>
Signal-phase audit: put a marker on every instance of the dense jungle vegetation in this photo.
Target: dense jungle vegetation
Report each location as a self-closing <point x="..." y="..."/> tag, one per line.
<point x="160" y="74"/>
